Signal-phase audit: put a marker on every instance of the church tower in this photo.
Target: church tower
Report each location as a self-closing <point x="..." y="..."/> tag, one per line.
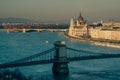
<point x="71" y="28"/>
<point x="71" y="23"/>
<point x="77" y="23"/>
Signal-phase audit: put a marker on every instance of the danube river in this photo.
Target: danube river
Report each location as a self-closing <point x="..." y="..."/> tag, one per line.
<point x="18" y="45"/>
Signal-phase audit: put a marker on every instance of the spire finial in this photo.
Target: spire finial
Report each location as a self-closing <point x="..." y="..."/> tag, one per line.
<point x="80" y="14"/>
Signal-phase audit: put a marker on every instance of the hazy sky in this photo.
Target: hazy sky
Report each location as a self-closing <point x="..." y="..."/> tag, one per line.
<point x="60" y="10"/>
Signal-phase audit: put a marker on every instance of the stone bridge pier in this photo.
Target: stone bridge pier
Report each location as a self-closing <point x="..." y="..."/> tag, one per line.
<point x="60" y="66"/>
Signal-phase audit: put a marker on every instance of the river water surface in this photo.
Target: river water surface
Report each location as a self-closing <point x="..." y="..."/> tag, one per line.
<point x="18" y="45"/>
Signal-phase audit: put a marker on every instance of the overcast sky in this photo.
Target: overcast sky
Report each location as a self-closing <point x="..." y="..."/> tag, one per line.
<point x="60" y="10"/>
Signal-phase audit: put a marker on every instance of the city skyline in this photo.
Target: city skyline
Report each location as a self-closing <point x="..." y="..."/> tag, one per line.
<point x="60" y="11"/>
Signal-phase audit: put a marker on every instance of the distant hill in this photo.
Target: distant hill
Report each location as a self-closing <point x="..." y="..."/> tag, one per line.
<point x="14" y="20"/>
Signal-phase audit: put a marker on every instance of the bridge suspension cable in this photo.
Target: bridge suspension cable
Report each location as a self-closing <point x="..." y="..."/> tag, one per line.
<point x="51" y="56"/>
<point x="74" y="55"/>
<point x="40" y="58"/>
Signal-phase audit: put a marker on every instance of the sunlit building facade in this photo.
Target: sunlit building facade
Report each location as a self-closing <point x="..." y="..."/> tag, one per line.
<point x="78" y="28"/>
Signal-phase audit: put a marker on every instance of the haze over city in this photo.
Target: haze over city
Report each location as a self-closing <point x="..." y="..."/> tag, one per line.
<point x="60" y="11"/>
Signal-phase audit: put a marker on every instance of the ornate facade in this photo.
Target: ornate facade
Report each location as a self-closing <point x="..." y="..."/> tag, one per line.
<point x="79" y="28"/>
<point x="106" y="31"/>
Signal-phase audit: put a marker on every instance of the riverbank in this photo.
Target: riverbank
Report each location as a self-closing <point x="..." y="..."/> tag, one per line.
<point x="106" y="44"/>
<point x="98" y="42"/>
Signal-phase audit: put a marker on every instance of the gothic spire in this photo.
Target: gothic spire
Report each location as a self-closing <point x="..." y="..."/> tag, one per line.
<point x="80" y="18"/>
<point x="80" y="14"/>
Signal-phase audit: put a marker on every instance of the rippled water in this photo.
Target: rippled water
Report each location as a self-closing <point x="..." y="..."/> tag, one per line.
<point x="18" y="45"/>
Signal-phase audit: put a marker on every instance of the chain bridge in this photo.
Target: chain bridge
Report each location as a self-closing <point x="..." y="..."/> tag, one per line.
<point x="60" y="56"/>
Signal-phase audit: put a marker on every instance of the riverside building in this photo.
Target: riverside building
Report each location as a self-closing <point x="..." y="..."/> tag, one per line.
<point x="108" y="31"/>
<point x="78" y="28"/>
<point x="99" y="31"/>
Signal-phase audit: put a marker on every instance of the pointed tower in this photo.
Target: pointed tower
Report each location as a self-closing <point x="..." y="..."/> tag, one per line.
<point x="77" y="23"/>
<point x="111" y="23"/>
<point x="71" y="23"/>
<point x="80" y="18"/>
<point x="71" y="28"/>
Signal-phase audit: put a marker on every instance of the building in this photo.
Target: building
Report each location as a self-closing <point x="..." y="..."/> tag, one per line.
<point x="78" y="28"/>
<point x="109" y="31"/>
<point x="98" y="30"/>
<point x="112" y="25"/>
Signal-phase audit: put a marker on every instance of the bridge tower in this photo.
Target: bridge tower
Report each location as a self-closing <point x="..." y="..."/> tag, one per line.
<point x="60" y="66"/>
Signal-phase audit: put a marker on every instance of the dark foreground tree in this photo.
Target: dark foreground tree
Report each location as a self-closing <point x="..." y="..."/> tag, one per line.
<point x="13" y="75"/>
